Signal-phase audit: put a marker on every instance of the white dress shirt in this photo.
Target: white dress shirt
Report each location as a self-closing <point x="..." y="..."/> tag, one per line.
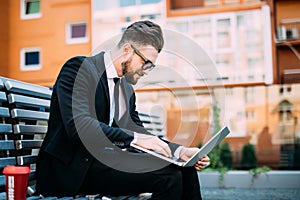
<point x="111" y="73"/>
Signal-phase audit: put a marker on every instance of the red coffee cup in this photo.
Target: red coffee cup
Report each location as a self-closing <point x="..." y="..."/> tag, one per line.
<point x="16" y="181"/>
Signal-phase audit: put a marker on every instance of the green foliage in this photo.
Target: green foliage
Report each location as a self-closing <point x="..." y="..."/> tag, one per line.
<point x="214" y="155"/>
<point x="221" y="155"/>
<point x="297" y="154"/>
<point x="222" y="171"/>
<point x="249" y="157"/>
<point x="216" y="118"/>
<point x="258" y="170"/>
<point x="226" y="155"/>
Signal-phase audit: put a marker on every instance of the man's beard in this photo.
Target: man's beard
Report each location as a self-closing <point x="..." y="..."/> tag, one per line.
<point x="129" y="76"/>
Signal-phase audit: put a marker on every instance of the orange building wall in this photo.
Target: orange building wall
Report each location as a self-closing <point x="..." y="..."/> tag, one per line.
<point x="185" y="132"/>
<point x="4" y="37"/>
<point x="287" y="9"/>
<point x="48" y="33"/>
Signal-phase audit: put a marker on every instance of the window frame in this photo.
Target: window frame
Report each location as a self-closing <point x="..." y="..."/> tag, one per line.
<point x="33" y="67"/>
<point x="29" y="16"/>
<point x="80" y="40"/>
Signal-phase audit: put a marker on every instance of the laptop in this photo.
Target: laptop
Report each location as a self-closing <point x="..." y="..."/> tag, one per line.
<point x="204" y="150"/>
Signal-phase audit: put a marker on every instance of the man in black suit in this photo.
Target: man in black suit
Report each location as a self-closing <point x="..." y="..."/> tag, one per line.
<point x="89" y="128"/>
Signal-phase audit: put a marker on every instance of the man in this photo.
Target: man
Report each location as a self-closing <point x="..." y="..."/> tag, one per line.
<point x="89" y="127"/>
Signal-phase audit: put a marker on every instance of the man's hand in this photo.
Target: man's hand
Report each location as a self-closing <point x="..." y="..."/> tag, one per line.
<point x="202" y="163"/>
<point x="186" y="153"/>
<point x="153" y="143"/>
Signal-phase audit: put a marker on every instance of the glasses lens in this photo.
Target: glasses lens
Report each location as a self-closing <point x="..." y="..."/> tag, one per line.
<point x="148" y="66"/>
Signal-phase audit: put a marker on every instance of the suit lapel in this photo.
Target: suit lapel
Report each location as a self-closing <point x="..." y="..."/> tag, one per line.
<point x="100" y="66"/>
<point x="102" y="88"/>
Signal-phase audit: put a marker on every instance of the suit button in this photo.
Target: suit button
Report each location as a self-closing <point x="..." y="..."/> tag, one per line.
<point x="86" y="160"/>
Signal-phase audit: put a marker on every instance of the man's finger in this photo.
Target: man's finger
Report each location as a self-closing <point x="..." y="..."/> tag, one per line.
<point x="165" y="148"/>
<point x="166" y="151"/>
<point x="205" y="159"/>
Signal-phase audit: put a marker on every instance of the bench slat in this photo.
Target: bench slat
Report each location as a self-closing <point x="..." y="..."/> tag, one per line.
<point x="1" y="84"/>
<point x="27" y="88"/>
<point x="25" y="160"/>
<point x="29" y="114"/>
<point x="30" y="129"/>
<point x="7" y="145"/>
<point x="7" y="161"/>
<point x="141" y="114"/>
<point x="28" y="144"/>
<point x="5" y="128"/>
<point x="4" y="112"/>
<point x="153" y="124"/>
<point x="28" y="101"/>
<point x="2" y="96"/>
<point x="2" y="180"/>
<point x="32" y="175"/>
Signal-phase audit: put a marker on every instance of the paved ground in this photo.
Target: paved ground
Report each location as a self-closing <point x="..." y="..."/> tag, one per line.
<point x="233" y="194"/>
<point x="250" y="194"/>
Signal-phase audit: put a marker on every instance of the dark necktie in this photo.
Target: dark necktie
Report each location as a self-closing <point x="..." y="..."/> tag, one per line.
<point x="116" y="98"/>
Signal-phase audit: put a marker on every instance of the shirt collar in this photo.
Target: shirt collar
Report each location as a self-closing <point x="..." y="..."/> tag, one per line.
<point x="111" y="71"/>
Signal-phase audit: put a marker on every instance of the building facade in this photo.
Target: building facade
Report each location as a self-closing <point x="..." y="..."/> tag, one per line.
<point x="41" y="35"/>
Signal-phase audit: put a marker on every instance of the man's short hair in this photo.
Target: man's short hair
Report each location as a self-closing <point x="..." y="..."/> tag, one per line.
<point x="143" y="33"/>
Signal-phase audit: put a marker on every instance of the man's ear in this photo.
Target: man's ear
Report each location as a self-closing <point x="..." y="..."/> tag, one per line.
<point x="126" y="50"/>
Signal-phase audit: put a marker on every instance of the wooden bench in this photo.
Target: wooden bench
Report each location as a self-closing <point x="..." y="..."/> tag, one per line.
<point x="6" y="142"/>
<point x="25" y="124"/>
<point x="153" y="123"/>
<point x="24" y="113"/>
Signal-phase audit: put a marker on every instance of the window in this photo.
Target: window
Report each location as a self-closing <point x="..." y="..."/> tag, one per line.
<point x="76" y="33"/>
<point x="124" y="3"/>
<point x="249" y="95"/>
<point x="30" y="9"/>
<point x="149" y="1"/>
<point x="30" y="59"/>
<point x="285" y="90"/>
<point x="179" y="4"/>
<point x="285" y="109"/>
<point x="250" y="115"/>
<point x="150" y="16"/>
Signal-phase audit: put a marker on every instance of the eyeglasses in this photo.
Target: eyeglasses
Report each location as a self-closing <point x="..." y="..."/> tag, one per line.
<point x="148" y="65"/>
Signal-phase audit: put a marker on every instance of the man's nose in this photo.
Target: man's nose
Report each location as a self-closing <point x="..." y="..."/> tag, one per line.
<point x="145" y="72"/>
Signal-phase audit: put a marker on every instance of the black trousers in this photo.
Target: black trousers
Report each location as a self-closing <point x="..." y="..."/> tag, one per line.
<point x="168" y="183"/>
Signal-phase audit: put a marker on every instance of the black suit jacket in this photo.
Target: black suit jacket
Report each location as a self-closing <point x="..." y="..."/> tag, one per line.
<point x="78" y="130"/>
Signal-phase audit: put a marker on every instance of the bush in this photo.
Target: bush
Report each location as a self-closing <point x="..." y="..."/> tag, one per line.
<point x="214" y="156"/>
<point x="220" y="156"/>
<point x="249" y="160"/>
<point x="297" y="156"/>
<point x="226" y="155"/>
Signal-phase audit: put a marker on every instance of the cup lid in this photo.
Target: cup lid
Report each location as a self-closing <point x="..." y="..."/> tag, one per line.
<point x="16" y="170"/>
